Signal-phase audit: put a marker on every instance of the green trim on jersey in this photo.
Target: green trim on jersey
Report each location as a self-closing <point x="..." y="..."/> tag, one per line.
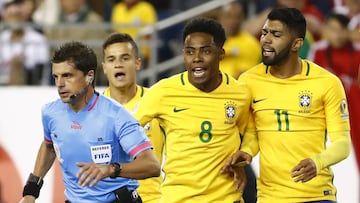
<point x="227" y="78"/>
<point x="182" y="79"/>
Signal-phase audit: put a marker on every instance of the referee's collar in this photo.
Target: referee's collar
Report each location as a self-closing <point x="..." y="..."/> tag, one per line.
<point x="94" y="99"/>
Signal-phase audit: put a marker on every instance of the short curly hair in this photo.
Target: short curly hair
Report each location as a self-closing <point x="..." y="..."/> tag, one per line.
<point x="206" y="25"/>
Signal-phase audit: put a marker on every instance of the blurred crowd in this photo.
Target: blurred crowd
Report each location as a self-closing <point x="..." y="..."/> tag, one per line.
<point x="31" y="29"/>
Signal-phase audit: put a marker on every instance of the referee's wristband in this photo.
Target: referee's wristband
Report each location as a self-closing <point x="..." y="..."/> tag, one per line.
<point x="33" y="186"/>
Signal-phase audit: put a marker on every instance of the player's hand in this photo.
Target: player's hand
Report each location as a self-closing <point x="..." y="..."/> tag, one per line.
<point x="304" y="171"/>
<point x="239" y="176"/>
<point x="235" y="167"/>
<point x="239" y="157"/>
<point x="28" y="199"/>
<point x="91" y="173"/>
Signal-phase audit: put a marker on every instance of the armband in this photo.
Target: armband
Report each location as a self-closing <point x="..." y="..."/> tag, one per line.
<point x="33" y="186"/>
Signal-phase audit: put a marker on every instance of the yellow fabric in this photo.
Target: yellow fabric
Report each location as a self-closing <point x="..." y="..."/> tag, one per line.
<point x="292" y="117"/>
<point x="131" y="20"/>
<point x="201" y="133"/>
<point x="149" y="189"/>
<point x="242" y="52"/>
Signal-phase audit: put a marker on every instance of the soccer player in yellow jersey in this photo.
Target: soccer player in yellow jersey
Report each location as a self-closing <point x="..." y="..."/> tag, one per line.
<point x="242" y="50"/>
<point x="121" y="61"/>
<point x="296" y="106"/>
<point x="203" y="112"/>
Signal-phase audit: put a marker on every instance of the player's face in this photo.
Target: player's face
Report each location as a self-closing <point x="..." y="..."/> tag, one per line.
<point x="120" y="65"/>
<point x="202" y="57"/>
<point x="276" y="42"/>
<point x="68" y="80"/>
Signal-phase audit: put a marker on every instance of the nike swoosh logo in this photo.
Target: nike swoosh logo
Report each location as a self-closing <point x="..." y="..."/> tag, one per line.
<point x="178" y="110"/>
<point x="258" y="100"/>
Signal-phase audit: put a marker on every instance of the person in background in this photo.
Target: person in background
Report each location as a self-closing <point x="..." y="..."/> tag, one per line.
<point x="296" y="106"/>
<point x="24" y="52"/>
<point x="335" y="48"/>
<point x="203" y="113"/>
<point x="120" y="64"/>
<point x="101" y="148"/>
<point x="76" y="20"/>
<point x="350" y="8"/>
<point x="242" y="50"/>
<point x="130" y="16"/>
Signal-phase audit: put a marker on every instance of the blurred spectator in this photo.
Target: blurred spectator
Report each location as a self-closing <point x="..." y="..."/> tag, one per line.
<point x="130" y="16"/>
<point x="336" y="48"/>
<point x="77" y="21"/>
<point x="351" y="8"/>
<point x="242" y="50"/>
<point x="47" y="12"/>
<point x="337" y="53"/>
<point x="324" y="6"/>
<point x="24" y="54"/>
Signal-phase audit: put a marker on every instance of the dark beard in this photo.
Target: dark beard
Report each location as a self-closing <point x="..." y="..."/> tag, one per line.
<point x="283" y="54"/>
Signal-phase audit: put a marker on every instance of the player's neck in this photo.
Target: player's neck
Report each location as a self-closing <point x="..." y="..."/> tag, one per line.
<point x="123" y="94"/>
<point x="210" y="85"/>
<point x="287" y="68"/>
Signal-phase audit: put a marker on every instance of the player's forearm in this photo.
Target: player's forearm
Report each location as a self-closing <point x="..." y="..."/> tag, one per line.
<point x="336" y="152"/>
<point x="44" y="160"/>
<point x="144" y="166"/>
<point x="249" y="143"/>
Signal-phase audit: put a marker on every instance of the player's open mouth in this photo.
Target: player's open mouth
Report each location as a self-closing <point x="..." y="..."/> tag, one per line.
<point x="119" y="75"/>
<point x="268" y="52"/>
<point x="199" y="72"/>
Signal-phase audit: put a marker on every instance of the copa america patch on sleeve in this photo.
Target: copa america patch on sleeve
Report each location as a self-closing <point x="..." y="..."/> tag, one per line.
<point x="344" y="109"/>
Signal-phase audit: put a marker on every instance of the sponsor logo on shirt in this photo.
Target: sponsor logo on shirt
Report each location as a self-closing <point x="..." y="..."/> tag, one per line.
<point x="76" y="125"/>
<point x="179" y="109"/>
<point x="258" y="100"/>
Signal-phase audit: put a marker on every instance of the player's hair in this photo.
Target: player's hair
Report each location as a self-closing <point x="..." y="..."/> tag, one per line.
<point x="292" y="18"/>
<point x="81" y="56"/>
<point x="119" y="38"/>
<point x="206" y="25"/>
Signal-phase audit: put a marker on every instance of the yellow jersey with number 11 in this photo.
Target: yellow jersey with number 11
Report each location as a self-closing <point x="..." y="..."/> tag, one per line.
<point x="293" y="118"/>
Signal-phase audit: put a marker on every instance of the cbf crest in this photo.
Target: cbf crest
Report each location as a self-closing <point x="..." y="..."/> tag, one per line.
<point x="305" y="99"/>
<point x="230" y="112"/>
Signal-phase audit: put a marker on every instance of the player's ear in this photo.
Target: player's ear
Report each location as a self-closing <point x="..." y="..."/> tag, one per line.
<point x="222" y="54"/>
<point x="298" y="42"/>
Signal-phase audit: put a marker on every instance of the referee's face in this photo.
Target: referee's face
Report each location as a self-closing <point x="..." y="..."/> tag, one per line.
<point x="202" y="58"/>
